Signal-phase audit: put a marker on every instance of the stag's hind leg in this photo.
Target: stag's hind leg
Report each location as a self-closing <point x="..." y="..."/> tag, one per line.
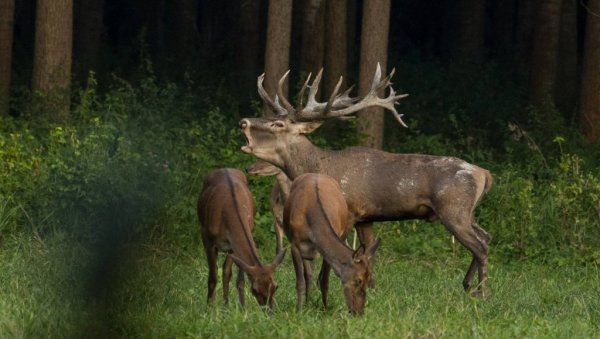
<point x="475" y="240"/>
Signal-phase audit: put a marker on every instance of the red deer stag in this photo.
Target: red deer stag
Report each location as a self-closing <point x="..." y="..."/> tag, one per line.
<point x="377" y="185"/>
<point x="226" y="211"/>
<point x="279" y="194"/>
<point x="315" y="219"/>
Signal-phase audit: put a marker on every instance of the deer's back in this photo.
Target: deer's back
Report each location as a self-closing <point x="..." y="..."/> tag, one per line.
<point x="315" y="204"/>
<point x="225" y="205"/>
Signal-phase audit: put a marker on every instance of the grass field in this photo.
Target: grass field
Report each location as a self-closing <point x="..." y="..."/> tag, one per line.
<point x="56" y="288"/>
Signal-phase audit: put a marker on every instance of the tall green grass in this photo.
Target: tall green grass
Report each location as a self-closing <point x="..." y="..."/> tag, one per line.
<point x="160" y="292"/>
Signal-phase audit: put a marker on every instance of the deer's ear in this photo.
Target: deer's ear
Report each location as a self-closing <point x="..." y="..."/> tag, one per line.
<point x="372" y="248"/>
<point x="278" y="259"/>
<point x="242" y="264"/>
<point x="307" y="127"/>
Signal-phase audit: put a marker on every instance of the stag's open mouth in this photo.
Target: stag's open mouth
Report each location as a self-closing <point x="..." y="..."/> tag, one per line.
<point x="244" y="126"/>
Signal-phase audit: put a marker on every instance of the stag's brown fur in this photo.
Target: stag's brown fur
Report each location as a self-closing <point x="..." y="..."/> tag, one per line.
<point x="315" y="221"/>
<point x="226" y="211"/>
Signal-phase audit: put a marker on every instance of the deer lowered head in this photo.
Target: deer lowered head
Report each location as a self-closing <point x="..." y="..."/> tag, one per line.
<point x="226" y="211"/>
<point x="315" y="220"/>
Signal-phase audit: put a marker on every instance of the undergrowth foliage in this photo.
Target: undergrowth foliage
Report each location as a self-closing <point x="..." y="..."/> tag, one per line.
<point x="131" y="160"/>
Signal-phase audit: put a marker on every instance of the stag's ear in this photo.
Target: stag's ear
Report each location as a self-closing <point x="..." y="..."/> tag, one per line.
<point x="307" y="127"/>
<point x="278" y="258"/>
<point x="242" y="264"/>
<point x="372" y="248"/>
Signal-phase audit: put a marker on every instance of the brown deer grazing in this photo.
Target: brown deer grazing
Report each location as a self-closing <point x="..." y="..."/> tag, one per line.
<point x="279" y="194"/>
<point x="377" y="185"/>
<point x="226" y="211"/>
<point x="315" y="220"/>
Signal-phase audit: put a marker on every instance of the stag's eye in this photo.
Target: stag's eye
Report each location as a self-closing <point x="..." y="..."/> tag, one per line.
<point x="278" y="124"/>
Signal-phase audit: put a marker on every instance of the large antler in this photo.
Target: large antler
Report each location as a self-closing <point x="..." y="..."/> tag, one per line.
<point x="338" y="106"/>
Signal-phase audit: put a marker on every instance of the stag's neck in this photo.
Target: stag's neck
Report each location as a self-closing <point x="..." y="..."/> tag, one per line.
<point x="302" y="156"/>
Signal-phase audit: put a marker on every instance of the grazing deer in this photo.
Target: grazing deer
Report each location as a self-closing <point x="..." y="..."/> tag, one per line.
<point x="315" y="220"/>
<point x="377" y="185"/>
<point x="279" y="194"/>
<point x="226" y="211"/>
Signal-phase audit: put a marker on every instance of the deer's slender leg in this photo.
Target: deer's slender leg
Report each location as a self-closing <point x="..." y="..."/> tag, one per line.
<point x="367" y="237"/>
<point x="226" y="278"/>
<point x="300" y="283"/>
<point x="307" y="276"/>
<point x="324" y="281"/>
<point x="211" y="258"/>
<point x="278" y="236"/>
<point x="240" y="286"/>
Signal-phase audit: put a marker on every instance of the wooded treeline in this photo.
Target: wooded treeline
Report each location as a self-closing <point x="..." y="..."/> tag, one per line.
<point x="552" y="46"/>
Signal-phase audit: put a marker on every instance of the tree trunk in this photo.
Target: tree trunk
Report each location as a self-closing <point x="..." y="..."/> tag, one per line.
<point x="7" y="17"/>
<point x="249" y="45"/>
<point x="313" y="22"/>
<point x="373" y="49"/>
<point x="335" y="37"/>
<point x="277" y="53"/>
<point x="52" y="53"/>
<point x="568" y="56"/>
<point x="545" y="57"/>
<point x="590" y="82"/>
<point x="89" y="32"/>
<point x="471" y="30"/>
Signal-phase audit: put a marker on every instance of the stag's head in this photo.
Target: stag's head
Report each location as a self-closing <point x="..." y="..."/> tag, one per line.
<point x="356" y="278"/>
<point x="265" y="136"/>
<point x="263" y="286"/>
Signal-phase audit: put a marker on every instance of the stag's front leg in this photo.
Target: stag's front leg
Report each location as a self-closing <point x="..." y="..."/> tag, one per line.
<point x="307" y="277"/>
<point x="300" y="282"/>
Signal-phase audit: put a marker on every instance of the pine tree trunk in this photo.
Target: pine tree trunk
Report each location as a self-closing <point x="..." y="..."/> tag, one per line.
<point x="373" y="49"/>
<point x="277" y="54"/>
<point x="471" y="30"/>
<point x="52" y="53"/>
<point x="313" y="22"/>
<point x="89" y="32"/>
<point x="590" y="82"/>
<point x="545" y="57"/>
<point x="7" y="17"/>
<point x="335" y="37"/>
<point x="568" y="56"/>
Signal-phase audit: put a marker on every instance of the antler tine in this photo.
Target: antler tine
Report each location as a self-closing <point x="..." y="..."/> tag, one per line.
<point x="344" y="100"/>
<point x="312" y="93"/>
<point x="277" y="109"/>
<point x="372" y="99"/>
<point x="301" y="95"/>
<point x="333" y="97"/>
<point x="286" y="104"/>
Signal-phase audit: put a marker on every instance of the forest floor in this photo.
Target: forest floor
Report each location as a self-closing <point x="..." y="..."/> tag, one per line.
<point x="59" y="288"/>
